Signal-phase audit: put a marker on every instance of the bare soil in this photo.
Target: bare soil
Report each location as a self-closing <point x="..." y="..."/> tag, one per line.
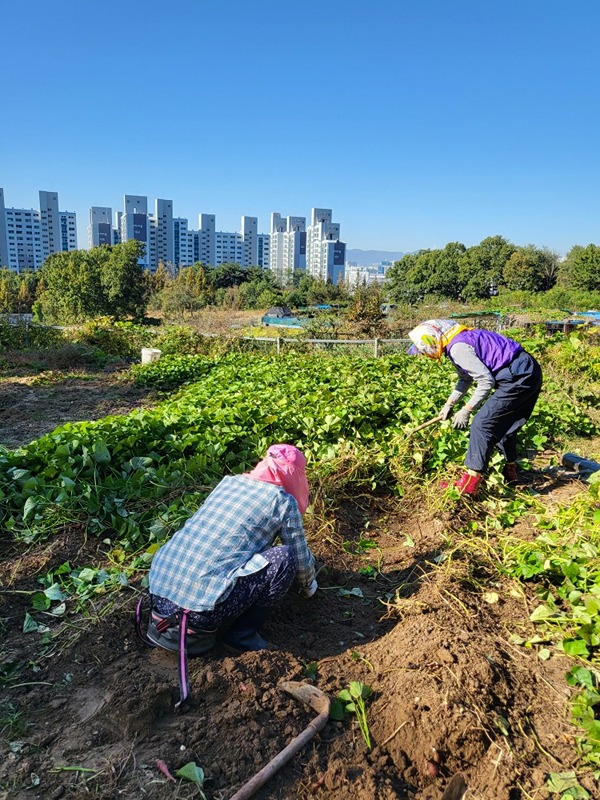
<point x="452" y="694"/>
<point x="33" y="406"/>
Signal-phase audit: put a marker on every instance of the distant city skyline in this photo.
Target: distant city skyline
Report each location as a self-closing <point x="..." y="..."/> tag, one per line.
<point x="419" y="123"/>
<point x="29" y="236"/>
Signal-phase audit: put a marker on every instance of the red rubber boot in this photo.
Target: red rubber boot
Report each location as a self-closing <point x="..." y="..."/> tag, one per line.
<point x="468" y="484"/>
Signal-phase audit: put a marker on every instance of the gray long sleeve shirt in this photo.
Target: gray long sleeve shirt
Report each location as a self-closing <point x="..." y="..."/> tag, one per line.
<point x="470" y="369"/>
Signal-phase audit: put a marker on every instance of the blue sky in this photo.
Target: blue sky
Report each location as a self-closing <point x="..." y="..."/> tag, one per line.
<point x="418" y="122"/>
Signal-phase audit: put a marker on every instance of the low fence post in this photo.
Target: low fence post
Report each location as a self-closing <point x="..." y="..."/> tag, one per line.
<point x="279" y="345"/>
<point x="376" y="347"/>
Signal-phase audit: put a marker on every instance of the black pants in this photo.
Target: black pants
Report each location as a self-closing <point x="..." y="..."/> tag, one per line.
<point x="506" y="411"/>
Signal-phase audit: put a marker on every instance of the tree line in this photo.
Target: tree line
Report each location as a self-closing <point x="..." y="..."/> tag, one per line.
<point x="110" y="281"/>
<point x="464" y="273"/>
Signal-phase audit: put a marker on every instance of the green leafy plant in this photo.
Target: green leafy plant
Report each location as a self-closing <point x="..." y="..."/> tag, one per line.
<point x="352" y="701"/>
<point x="193" y="773"/>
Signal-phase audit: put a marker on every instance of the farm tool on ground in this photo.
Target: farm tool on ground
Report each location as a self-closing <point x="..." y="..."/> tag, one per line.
<point x="423" y="425"/>
<point x="406" y="436"/>
<point x="311" y="696"/>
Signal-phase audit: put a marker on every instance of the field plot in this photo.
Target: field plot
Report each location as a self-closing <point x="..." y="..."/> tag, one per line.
<point x="456" y="615"/>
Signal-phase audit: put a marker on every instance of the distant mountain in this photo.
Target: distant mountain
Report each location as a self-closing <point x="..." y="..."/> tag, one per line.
<point x="365" y="257"/>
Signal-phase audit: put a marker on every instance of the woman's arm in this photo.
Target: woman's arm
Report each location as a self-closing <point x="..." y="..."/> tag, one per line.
<point x="292" y="534"/>
<point x="471" y="369"/>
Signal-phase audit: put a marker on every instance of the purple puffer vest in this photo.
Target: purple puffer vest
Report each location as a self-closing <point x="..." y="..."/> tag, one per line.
<point x="494" y="350"/>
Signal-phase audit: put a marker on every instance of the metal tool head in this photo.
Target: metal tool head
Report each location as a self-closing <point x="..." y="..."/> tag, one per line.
<point x="307" y="694"/>
<point x="456" y="788"/>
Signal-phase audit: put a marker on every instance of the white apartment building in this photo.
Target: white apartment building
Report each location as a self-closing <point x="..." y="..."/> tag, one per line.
<point x="100" y="229"/>
<point x="357" y="274"/>
<point x="161" y="235"/>
<point x="207" y="241"/>
<point x="169" y="240"/>
<point x="325" y="253"/>
<point x="135" y="224"/>
<point x="264" y="250"/>
<point x="288" y="247"/>
<point x="183" y="244"/>
<point x="28" y="236"/>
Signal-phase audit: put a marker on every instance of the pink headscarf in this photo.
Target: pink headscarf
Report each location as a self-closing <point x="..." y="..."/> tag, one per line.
<point x="285" y="466"/>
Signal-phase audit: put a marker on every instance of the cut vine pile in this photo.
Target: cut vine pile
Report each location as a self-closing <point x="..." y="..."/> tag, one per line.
<point x="431" y="602"/>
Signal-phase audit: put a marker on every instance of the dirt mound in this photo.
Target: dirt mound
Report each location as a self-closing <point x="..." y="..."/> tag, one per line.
<point x="92" y="709"/>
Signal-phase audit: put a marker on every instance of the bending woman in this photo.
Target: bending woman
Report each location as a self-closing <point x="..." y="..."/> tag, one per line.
<point x="507" y="381"/>
<point x="222" y="566"/>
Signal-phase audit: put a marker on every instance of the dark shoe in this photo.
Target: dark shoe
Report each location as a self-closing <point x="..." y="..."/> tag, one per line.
<point x="163" y="634"/>
<point x="468" y="484"/>
<point x="243" y="635"/>
<point x="510" y="472"/>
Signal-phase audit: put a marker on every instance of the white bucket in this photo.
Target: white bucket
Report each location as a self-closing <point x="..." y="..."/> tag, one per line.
<point x="150" y="354"/>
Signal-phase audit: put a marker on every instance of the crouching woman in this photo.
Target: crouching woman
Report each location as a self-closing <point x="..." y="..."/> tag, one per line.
<point x="222" y="567"/>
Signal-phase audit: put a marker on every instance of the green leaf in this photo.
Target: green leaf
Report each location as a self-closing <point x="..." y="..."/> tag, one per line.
<point x="356" y="688"/>
<point x="580" y="676"/>
<point x="355" y="592"/>
<point x="193" y="773"/>
<point x="100" y="452"/>
<point x="561" y="781"/>
<point x="40" y="602"/>
<point x="29" y="625"/>
<point x="336" y="709"/>
<point x="575" y="647"/>
<point x="139" y="462"/>
<point x="29" y="508"/>
<point x="541" y="613"/>
<point x="345" y="696"/>
<point x="54" y="592"/>
<point x="87" y="575"/>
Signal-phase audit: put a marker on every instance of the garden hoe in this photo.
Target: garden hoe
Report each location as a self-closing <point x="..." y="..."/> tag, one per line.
<point x="311" y="696"/>
<point x="409" y="434"/>
<point x="423" y="425"/>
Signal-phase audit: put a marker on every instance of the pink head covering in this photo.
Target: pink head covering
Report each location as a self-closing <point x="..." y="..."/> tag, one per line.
<point x="285" y="466"/>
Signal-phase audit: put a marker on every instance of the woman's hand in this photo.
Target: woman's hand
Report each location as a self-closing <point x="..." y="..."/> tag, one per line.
<point x="461" y="419"/>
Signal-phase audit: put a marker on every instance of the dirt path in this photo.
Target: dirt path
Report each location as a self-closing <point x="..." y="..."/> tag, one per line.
<point x="451" y="693"/>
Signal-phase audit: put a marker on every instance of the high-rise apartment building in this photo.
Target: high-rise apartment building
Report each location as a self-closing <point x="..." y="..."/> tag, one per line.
<point x="169" y="240"/>
<point x="28" y="236"/>
<point x="325" y="253"/>
<point x="161" y="238"/>
<point x="288" y="247"/>
<point x="100" y="229"/>
<point x="134" y="222"/>
<point x="264" y="250"/>
<point x="207" y="241"/>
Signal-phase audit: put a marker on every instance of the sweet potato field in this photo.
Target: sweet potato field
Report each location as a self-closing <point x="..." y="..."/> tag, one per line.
<point x="453" y="636"/>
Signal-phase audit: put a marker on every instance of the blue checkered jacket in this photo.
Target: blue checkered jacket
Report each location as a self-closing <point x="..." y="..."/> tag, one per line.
<point x="198" y="567"/>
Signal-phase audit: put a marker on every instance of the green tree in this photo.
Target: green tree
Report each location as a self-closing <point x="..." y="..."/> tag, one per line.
<point x="5" y="292"/>
<point x="226" y="275"/>
<point x="189" y="291"/>
<point x="365" y="305"/>
<point x="531" y="269"/>
<point x="581" y="268"/>
<point x="103" y="281"/>
<point x="125" y="283"/>
<point x="260" y="290"/>
<point x="481" y="267"/>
